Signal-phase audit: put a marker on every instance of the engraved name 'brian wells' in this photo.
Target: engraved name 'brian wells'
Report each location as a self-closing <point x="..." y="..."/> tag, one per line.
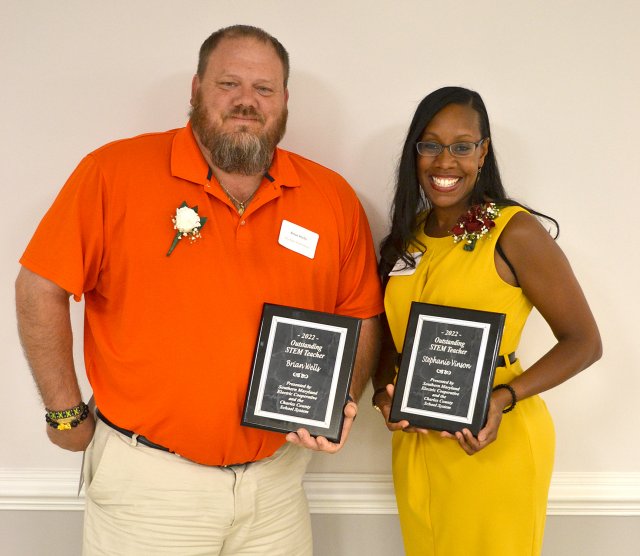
<point x="305" y="350"/>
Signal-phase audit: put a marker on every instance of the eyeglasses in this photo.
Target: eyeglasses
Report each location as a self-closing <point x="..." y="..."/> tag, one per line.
<point x="459" y="150"/>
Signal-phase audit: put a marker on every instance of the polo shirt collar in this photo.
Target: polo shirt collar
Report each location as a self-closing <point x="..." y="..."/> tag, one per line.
<point x="187" y="162"/>
<point x="282" y="172"/>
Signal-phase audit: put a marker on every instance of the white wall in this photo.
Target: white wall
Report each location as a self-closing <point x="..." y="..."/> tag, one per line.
<point x="560" y="79"/>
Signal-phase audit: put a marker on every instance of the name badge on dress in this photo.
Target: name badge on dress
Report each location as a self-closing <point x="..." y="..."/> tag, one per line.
<point x="402" y="269"/>
<point x="298" y="239"/>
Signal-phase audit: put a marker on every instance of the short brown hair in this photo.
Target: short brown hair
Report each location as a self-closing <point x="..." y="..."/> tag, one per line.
<point x="241" y="31"/>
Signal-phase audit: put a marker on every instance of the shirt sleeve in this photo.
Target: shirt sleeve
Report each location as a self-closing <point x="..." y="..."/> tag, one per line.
<point x="68" y="245"/>
<point x="359" y="291"/>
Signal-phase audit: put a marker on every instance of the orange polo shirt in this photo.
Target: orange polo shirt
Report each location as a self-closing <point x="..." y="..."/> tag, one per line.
<point x="169" y="340"/>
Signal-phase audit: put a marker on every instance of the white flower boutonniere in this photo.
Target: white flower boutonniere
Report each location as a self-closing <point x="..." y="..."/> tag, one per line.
<point x="188" y="223"/>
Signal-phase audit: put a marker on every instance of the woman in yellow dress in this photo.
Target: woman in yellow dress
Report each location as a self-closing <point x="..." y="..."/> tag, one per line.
<point x="457" y="239"/>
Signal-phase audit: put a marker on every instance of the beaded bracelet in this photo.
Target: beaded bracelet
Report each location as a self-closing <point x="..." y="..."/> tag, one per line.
<point x="68" y="418"/>
<point x="513" y="396"/>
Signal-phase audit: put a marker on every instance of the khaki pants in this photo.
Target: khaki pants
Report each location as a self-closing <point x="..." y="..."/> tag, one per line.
<point x="142" y="501"/>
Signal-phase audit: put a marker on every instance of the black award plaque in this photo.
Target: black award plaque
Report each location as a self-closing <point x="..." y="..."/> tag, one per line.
<point x="301" y="371"/>
<point x="447" y="369"/>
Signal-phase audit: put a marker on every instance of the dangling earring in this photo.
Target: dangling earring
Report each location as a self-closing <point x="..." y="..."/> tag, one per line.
<point x="478" y="176"/>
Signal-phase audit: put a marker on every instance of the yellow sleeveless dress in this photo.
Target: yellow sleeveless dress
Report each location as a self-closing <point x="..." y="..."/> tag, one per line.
<point x="494" y="502"/>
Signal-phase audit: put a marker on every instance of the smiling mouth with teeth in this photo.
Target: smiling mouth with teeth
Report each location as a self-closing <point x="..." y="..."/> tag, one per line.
<point x="444" y="183"/>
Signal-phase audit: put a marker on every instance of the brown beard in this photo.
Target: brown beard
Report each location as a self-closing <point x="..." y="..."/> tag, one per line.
<point x="238" y="152"/>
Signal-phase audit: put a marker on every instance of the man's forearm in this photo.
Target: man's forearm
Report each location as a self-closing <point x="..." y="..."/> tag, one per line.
<point x="44" y="326"/>
<point x="366" y="356"/>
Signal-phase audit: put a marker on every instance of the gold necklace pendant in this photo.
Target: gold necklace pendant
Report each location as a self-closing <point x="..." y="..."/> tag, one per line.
<point x="239" y="205"/>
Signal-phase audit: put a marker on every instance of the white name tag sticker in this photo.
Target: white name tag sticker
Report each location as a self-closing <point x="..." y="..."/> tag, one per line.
<point x="401" y="268"/>
<point x="298" y="239"/>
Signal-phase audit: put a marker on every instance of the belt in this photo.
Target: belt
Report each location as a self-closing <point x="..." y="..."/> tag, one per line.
<point x="501" y="360"/>
<point x="141" y="439"/>
<point x="146" y="442"/>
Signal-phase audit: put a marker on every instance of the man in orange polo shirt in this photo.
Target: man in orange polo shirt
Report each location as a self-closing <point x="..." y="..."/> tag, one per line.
<point x="176" y="240"/>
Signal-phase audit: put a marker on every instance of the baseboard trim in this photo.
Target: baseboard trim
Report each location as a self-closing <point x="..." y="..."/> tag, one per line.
<point x="571" y="493"/>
